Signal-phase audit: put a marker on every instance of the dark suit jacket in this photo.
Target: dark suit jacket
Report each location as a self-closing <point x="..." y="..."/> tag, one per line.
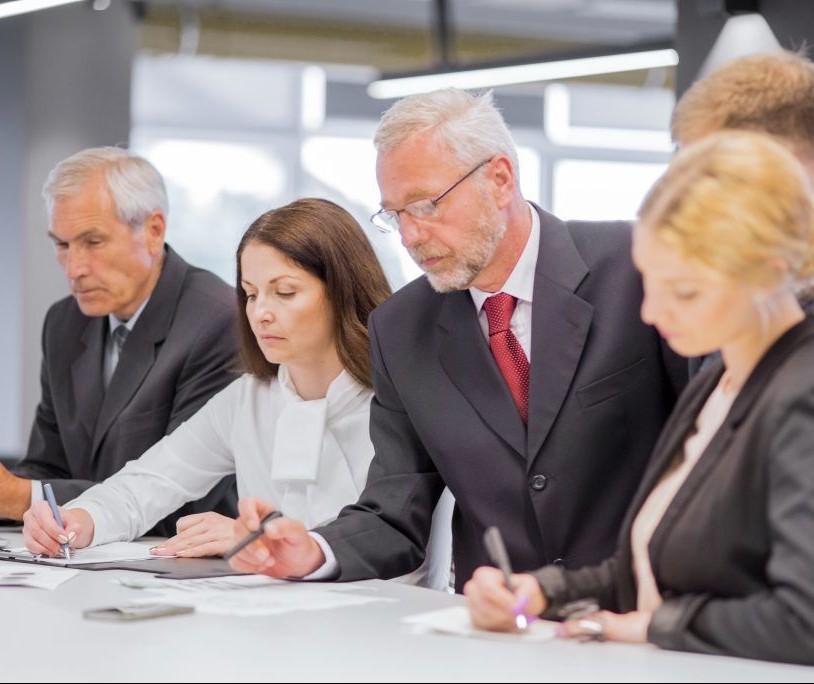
<point x="733" y="556"/>
<point x="181" y="351"/>
<point x="442" y="414"/>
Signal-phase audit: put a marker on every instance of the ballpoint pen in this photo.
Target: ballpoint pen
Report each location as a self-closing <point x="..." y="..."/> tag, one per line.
<point x="249" y="538"/>
<point x="52" y="502"/>
<point x="496" y="549"/>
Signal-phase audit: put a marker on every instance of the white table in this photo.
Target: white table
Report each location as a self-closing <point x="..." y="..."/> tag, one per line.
<point x="45" y="638"/>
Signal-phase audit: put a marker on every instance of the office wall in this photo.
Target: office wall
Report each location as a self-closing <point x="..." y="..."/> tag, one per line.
<point x="700" y="22"/>
<point x="64" y="85"/>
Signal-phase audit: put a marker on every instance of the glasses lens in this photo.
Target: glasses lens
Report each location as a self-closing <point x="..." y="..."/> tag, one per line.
<point x="422" y="209"/>
<point x="385" y="221"/>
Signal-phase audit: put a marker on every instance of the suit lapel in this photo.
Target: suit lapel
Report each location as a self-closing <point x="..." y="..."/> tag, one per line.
<point x="472" y="369"/>
<point x="141" y="348"/>
<point x="559" y="327"/>
<point x="86" y="374"/>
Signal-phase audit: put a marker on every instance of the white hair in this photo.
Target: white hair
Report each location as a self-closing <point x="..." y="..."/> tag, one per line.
<point x="470" y="125"/>
<point x="135" y="186"/>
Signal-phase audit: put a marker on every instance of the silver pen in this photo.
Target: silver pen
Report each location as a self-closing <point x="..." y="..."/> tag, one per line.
<point x="48" y="490"/>
<point x="496" y="549"/>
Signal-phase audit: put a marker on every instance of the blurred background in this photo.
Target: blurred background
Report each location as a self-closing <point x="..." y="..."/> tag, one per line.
<point x="244" y="105"/>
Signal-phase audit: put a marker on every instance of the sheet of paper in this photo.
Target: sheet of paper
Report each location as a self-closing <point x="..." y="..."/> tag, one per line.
<point x="257" y="596"/>
<point x="105" y="553"/>
<point x="456" y="621"/>
<point x="17" y="575"/>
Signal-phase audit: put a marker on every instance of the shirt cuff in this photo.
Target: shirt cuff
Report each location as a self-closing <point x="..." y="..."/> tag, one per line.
<point x="36" y="492"/>
<point x="329" y="570"/>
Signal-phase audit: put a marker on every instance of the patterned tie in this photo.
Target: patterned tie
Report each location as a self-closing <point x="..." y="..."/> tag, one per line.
<point x="506" y="349"/>
<point x="119" y="337"/>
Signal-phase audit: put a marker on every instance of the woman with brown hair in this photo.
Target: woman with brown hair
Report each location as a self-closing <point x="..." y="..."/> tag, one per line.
<point x="294" y="428"/>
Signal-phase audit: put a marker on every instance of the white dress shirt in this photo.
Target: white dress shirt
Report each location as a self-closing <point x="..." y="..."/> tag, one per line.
<point x="520" y="284"/>
<point x="308" y="457"/>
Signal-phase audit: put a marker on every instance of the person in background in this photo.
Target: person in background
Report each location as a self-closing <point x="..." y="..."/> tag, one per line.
<point x="771" y="93"/>
<point x="144" y="340"/>
<point x="517" y="372"/>
<point x="293" y="428"/>
<point x="716" y="550"/>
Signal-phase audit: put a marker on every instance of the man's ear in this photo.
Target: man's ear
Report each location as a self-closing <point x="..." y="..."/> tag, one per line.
<point x="502" y="175"/>
<point x="155" y="228"/>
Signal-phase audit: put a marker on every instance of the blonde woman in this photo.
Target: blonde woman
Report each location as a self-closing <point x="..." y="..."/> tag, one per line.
<point x="717" y="549"/>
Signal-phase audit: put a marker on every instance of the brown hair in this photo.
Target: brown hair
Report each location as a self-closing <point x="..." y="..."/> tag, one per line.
<point x="325" y="240"/>
<point x="771" y="92"/>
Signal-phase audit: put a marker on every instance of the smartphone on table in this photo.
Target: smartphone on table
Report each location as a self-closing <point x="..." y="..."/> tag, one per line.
<point x="137" y="611"/>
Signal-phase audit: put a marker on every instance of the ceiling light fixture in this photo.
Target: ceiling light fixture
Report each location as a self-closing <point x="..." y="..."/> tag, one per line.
<point x="529" y="70"/>
<point x="10" y="9"/>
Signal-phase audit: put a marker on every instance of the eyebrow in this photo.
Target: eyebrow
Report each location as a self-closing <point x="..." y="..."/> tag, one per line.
<point x="243" y="281"/>
<point x="87" y="233"/>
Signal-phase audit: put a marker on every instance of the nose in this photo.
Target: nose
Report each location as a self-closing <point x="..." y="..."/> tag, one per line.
<point x="650" y="308"/>
<point x="75" y="263"/>
<point x="411" y="231"/>
<point x="262" y="311"/>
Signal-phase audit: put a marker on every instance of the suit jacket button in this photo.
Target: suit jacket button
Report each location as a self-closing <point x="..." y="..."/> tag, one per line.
<point x="559" y="562"/>
<point x="538" y="483"/>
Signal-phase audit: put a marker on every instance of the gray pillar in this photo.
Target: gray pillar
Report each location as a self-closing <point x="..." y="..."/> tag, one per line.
<point x="64" y="85"/>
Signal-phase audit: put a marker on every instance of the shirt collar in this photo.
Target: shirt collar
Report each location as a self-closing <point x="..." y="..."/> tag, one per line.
<point x="520" y="282"/>
<point x="114" y="321"/>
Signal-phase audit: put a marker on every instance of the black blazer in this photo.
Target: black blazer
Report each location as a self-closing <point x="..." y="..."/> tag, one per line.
<point x="181" y="351"/>
<point x="733" y="556"/>
<point x="442" y="414"/>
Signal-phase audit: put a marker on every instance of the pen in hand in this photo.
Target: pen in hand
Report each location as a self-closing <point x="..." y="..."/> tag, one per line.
<point x="496" y="549"/>
<point x="52" y="502"/>
<point x="249" y="538"/>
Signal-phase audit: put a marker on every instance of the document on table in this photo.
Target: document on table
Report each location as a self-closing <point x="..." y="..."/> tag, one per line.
<point x="104" y="553"/>
<point x="251" y="595"/>
<point x="456" y="621"/>
<point x="40" y="578"/>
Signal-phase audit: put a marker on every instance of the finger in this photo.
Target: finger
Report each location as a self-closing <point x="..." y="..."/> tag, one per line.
<point x="37" y="540"/>
<point x="249" y="513"/>
<point x="43" y="530"/>
<point x="212" y="547"/>
<point x="188" y="521"/>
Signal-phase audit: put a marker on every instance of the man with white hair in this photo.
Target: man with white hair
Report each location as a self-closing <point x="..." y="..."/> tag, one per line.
<point x="517" y="372"/>
<point x="141" y="344"/>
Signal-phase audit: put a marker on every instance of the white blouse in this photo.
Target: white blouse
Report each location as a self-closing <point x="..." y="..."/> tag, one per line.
<point x="309" y="457"/>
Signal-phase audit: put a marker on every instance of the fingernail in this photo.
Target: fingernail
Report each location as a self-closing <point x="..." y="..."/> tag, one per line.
<point x="559" y="631"/>
<point x="62" y="539"/>
<point x="157" y="549"/>
<point x="71" y="536"/>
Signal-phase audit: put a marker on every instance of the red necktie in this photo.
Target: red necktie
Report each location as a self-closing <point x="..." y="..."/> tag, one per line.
<point x="506" y="349"/>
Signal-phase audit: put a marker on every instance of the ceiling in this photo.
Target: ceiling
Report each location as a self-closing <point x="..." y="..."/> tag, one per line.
<point x="393" y="35"/>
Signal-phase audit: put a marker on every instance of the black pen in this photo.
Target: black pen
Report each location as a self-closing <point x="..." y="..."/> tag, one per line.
<point x="496" y="549"/>
<point x="249" y="538"/>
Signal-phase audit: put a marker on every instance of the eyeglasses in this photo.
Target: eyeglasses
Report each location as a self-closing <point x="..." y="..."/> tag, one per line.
<point x="387" y="220"/>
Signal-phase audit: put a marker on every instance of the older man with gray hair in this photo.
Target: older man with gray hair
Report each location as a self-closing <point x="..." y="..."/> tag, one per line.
<point x="141" y="344"/>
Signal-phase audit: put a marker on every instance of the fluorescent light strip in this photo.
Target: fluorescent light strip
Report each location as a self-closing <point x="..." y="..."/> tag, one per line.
<point x="522" y="73"/>
<point x="10" y="9"/>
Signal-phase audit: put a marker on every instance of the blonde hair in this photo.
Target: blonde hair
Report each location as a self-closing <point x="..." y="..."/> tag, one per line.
<point x="771" y="92"/>
<point x="737" y="202"/>
<point x="470" y="125"/>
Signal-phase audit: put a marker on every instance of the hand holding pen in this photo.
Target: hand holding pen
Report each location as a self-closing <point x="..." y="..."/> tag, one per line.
<point x="48" y="490"/>
<point x="252" y="536"/>
<point x="44" y="534"/>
